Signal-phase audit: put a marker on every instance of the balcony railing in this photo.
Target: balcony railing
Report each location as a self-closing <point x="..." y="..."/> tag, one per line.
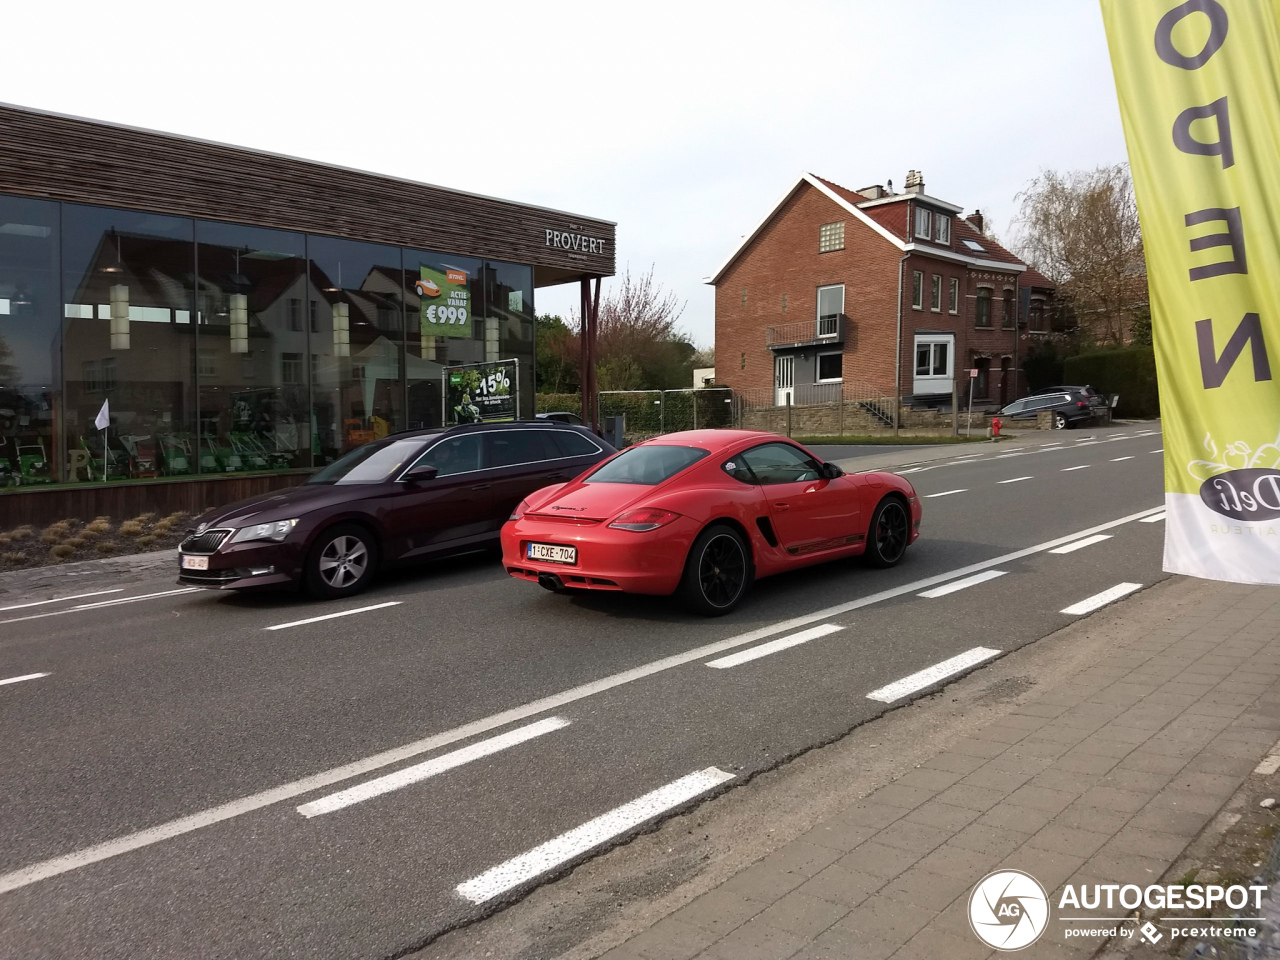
<point x="807" y="332"/>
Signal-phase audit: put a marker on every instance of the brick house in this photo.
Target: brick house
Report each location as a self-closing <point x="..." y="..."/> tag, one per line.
<point x="809" y="304"/>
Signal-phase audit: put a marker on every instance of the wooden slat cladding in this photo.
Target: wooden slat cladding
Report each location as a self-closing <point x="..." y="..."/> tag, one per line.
<point x="83" y="161"/>
<point x="120" y="501"/>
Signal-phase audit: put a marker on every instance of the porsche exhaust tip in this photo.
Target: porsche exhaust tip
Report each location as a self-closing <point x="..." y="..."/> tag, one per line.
<point x="549" y="581"/>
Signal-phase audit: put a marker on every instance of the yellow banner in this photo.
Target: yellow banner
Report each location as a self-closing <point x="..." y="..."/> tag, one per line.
<point x="1199" y="90"/>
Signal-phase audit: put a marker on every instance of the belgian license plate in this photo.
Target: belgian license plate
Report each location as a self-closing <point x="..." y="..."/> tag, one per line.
<point x="552" y="553"/>
<point x="195" y="563"/>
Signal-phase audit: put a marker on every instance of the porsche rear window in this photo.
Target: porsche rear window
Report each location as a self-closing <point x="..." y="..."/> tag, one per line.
<point x="647" y="465"/>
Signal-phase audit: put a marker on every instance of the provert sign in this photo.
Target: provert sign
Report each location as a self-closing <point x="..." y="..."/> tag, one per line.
<point x="1199" y="89"/>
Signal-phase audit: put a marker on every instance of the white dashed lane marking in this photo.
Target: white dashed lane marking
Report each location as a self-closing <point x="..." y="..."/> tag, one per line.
<point x="958" y="585"/>
<point x="28" y="676"/>
<point x="430" y="768"/>
<point x="77" y="596"/>
<point x="1118" y="459"/>
<point x="1099" y="600"/>
<point x="1156" y="518"/>
<point x="774" y="646"/>
<point x="332" y="616"/>
<point x="1013" y="480"/>
<point x="594" y="833"/>
<point x="1083" y="466"/>
<point x="944" y="493"/>
<point x="102" y="603"/>
<point x="931" y="675"/>
<point x="1081" y="544"/>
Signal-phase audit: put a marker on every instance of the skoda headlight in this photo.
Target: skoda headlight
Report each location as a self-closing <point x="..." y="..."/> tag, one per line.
<point x="275" y="530"/>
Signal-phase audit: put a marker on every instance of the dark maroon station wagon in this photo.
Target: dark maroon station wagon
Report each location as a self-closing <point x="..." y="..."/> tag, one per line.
<point x="404" y="498"/>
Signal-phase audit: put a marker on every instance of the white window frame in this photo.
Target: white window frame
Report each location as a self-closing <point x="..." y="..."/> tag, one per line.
<point x="817" y="311"/>
<point x="953" y="301"/>
<point x="932" y="383"/>
<point x="924" y="217"/>
<point x="935" y="293"/>
<point x="917" y="290"/>
<point x="942" y="228"/>
<point x="817" y="367"/>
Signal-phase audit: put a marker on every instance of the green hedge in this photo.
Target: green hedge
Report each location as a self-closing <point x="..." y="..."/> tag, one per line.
<point x="557" y="402"/>
<point x="1128" y="371"/>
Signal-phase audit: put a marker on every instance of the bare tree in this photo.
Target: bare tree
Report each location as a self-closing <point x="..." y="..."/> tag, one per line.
<point x="638" y="344"/>
<point x="1080" y="229"/>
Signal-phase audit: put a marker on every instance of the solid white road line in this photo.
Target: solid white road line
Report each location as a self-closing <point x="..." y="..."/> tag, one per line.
<point x="594" y="833"/>
<point x="54" y="866"/>
<point x="1118" y="459"/>
<point x="77" y="596"/>
<point x="331" y="616"/>
<point x="773" y="646"/>
<point x="931" y="675"/>
<point x="1081" y="544"/>
<point x="102" y="603"/>
<point x="1013" y="480"/>
<point x="29" y="676"/>
<point x="944" y="493"/>
<point x="1101" y="599"/>
<point x="430" y="768"/>
<point x="1083" y="466"/>
<point x="957" y="585"/>
<point x="1155" y="518"/>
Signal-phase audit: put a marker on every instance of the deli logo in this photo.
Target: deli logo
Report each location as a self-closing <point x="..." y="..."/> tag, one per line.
<point x="1244" y="494"/>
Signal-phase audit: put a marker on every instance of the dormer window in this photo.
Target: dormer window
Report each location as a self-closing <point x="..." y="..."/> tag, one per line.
<point x="924" y="223"/>
<point x="944" y="229"/>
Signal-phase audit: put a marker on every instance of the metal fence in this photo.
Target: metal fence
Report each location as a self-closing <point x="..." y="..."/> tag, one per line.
<point x="870" y="399"/>
<point x="649" y="413"/>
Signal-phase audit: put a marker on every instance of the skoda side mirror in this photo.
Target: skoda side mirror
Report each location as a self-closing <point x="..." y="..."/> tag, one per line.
<point x="419" y="474"/>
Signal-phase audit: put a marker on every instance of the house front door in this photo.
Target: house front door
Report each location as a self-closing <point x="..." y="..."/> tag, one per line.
<point x="784" y="380"/>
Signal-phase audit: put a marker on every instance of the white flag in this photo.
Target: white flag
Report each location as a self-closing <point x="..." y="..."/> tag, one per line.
<point x="103" y="419"/>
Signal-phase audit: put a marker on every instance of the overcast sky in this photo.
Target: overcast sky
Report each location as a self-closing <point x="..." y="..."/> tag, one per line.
<point x="683" y="122"/>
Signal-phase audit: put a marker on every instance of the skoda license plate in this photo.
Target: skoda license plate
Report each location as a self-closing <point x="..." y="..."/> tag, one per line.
<point x="195" y="563"/>
<point x="552" y="553"/>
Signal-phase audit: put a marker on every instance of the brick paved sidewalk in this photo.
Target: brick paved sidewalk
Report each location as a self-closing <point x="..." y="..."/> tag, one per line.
<point x="1103" y="779"/>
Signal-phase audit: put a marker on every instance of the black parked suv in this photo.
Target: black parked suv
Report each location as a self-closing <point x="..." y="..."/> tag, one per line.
<point x="406" y="497"/>
<point x="1069" y="408"/>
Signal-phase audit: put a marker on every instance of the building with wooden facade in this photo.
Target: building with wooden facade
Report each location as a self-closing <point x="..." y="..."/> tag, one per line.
<point x="243" y="313"/>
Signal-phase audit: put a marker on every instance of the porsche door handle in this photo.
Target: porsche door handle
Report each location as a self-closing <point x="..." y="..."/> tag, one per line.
<point x="783" y="505"/>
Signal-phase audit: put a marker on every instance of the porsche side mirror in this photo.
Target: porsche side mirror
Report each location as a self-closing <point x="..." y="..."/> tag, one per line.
<point x="419" y="474"/>
<point x="830" y="471"/>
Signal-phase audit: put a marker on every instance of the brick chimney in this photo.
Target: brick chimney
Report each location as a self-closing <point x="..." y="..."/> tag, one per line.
<point x="873" y="192"/>
<point x="977" y="221"/>
<point x="915" y="182"/>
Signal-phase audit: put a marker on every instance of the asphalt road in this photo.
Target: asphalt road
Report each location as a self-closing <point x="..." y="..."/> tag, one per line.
<point x="152" y="778"/>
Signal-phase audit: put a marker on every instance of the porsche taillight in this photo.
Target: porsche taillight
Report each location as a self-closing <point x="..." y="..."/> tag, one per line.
<point x="644" y="519"/>
<point x="519" y="511"/>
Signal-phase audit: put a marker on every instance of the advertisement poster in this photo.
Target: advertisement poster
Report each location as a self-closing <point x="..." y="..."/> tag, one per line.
<point x="1198" y="87"/>
<point x="446" y="302"/>
<point x="481" y="392"/>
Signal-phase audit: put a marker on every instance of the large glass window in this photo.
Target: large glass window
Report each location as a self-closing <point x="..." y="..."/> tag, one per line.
<point x="356" y="294"/>
<point x="31" y="449"/>
<point x="129" y="339"/>
<point x="509" y="307"/>
<point x="254" y="406"/>
<point x="982" y="310"/>
<point x="444" y="309"/>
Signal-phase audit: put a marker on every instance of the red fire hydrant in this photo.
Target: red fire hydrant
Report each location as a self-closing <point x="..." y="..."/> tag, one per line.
<point x="995" y="426"/>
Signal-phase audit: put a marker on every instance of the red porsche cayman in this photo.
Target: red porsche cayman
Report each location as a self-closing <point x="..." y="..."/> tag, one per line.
<point x="705" y="513"/>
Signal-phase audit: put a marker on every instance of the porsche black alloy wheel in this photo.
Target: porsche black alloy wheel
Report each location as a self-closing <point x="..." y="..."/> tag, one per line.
<point x="718" y="571"/>
<point x="889" y="533"/>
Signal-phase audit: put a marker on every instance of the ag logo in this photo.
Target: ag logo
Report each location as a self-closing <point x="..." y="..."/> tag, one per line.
<point x="1008" y="910"/>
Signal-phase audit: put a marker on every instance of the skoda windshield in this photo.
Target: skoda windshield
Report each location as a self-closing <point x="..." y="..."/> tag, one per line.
<point x="376" y="462"/>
